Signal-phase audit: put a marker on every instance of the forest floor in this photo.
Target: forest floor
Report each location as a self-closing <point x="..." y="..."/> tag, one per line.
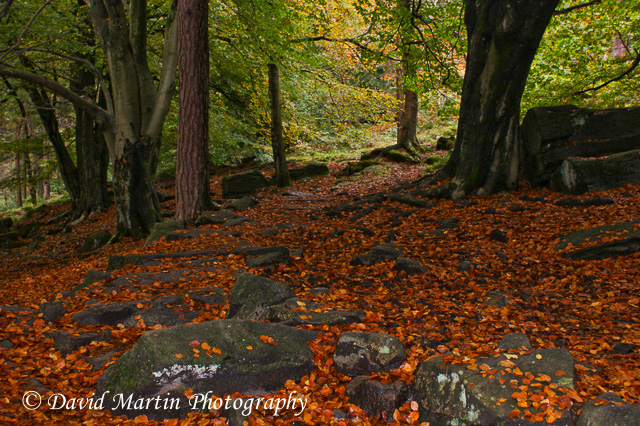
<point x="584" y="306"/>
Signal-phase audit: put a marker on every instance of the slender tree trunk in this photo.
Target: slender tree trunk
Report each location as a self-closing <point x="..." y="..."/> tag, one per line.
<point x="407" y="133"/>
<point x="192" y="172"/>
<point x="277" y="141"/>
<point x="18" y="181"/>
<point x="503" y="39"/>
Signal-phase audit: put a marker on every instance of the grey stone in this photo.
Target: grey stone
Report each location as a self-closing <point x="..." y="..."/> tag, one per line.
<point x="412" y="201"/>
<point x="445" y="391"/>
<point x="514" y="341"/>
<point x="380" y="252"/>
<point x="263" y="257"/>
<point x="52" y="311"/>
<point x="496" y="298"/>
<point x="6" y="344"/>
<point x="242" y="204"/>
<point x="364" y="353"/>
<point x="67" y="342"/>
<point x="95" y="241"/>
<point x="617" y="413"/>
<point x="91" y="277"/>
<point x="245" y="364"/>
<point x="309" y="170"/>
<point x="239" y="185"/>
<point x="293" y="318"/>
<point x="445" y="144"/>
<point x="409" y="265"/>
<point x="208" y="296"/>
<point x="162" y="229"/>
<point x="216" y="217"/>
<point x="499" y="236"/>
<point x="252" y="296"/>
<point x="377" y="399"/>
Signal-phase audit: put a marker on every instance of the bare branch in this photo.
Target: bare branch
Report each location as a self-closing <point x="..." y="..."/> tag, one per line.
<point x="634" y="65"/>
<point x="577" y="6"/>
<point x="26" y="28"/>
<point x="5" y="9"/>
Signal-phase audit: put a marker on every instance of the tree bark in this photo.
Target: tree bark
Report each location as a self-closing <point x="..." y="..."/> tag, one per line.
<point x="407" y="133"/>
<point x="277" y="141"/>
<point x="192" y="172"/>
<point x="503" y="37"/>
<point x="18" y="181"/>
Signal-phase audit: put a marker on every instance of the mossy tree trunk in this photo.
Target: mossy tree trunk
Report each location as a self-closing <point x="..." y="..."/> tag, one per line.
<point x="503" y="37"/>
<point x="282" y="177"/>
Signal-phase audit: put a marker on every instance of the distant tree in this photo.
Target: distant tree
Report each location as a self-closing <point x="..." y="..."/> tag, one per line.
<point x="277" y="142"/>
<point x="192" y="175"/>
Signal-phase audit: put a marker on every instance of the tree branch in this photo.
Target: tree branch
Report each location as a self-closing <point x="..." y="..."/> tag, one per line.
<point x="577" y="6"/>
<point x="101" y="116"/>
<point x="5" y="9"/>
<point x="634" y="65"/>
<point x="26" y="28"/>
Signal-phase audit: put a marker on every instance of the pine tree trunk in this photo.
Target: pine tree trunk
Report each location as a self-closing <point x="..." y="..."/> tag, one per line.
<point x="277" y="141"/>
<point x="503" y="39"/>
<point x="192" y="173"/>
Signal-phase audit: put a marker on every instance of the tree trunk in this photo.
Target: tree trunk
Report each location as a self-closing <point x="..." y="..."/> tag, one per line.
<point x="192" y="173"/>
<point x="18" y="181"/>
<point x="407" y="133"/>
<point x="91" y="150"/>
<point x="277" y="141"/>
<point x="503" y="37"/>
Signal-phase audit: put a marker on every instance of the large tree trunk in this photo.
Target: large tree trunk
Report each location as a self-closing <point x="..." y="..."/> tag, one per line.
<point x="503" y="38"/>
<point x="277" y="141"/>
<point x="192" y="174"/>
<point x="139" y="108"/>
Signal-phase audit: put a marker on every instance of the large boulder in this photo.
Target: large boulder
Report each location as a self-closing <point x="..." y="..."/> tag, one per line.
<point x="309" y="170"/>
<point x="239" y="185"/>
<point x="220" y="357"/>
<point x="376" y="398"/>
<point x="488" y="392"/>
<point x="365" y="353"/>
<point x="252" y="296"/>
<point x="608" y="409"/>
<point x="95" y="241"/>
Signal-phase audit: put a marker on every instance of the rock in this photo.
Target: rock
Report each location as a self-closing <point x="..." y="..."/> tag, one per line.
<point x="91" y="277"/>
<point x="445" y="144"/>
<point x="592" y="235"/>
<point x="377" y="399"/>
<point x="617" y="413"/>
<point x="245" y="364"/>
<point x="450" y="223"/>
<point x="410" y="266"/>
<point x="263" y="257"/>
<point x="319" y="290"/>
<point x="466" y="266"/>
<point x="412" y="201"/>
<point x="622" y="349"/>
<point x="8" y="237"/>
<point x="97" y="362"/>
<point x="514" y="341"/>
<point x="496" y="298"/>
<point x="28" y="230"/>
<point x="242" y="204"/>
<point x="95" y="241"/>
<point x="128" y="314"/>
<point x="498" y="235"/>
<point x="6" y="344"/>
<point x="67" y="342"/>
<point x="354" y="168"/>
<point x="379" y="253"/>
<point x="252" y="296"/>
<point x="365" y="353"/>
<point x="399" y="157"/>
<point x="208" y="296"/>
<point x="607" y="250"/>
<point x="587" y="202"/>
<point x="444" y="390"/>
<point x="52" y="311"/>
<point x="216" y="217"/>
<point x="309" y="170"/>
<point x="293" y="318"/>
<point x="6" y="224"/>
<point x="239" y="185"/>
<point x="162" y="229"/>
